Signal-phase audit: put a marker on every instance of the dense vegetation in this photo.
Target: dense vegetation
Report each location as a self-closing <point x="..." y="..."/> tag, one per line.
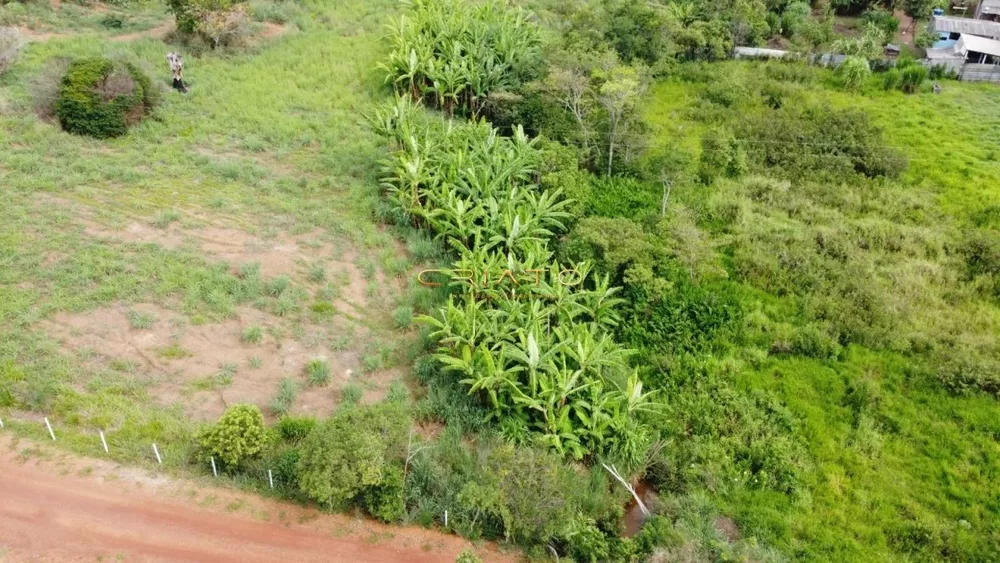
<point x="102" y="98"/>
<point x="768" y="290"/>
<point x="776" y="237"/>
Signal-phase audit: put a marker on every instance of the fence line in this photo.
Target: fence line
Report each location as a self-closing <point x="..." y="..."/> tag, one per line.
<point x="974" y="72"/>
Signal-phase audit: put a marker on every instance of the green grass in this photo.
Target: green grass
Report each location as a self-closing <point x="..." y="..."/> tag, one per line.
<point x="318" y="372"/>
<point x="268" y="140"/>
<point x="908" y="472"/>
<point x="141" y="321"/>
<point x="284" y="397"/>
<point x="253" y="335"/>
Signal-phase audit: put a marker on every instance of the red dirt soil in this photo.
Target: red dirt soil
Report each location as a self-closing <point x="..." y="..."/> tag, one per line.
<point x="75" y="511"/>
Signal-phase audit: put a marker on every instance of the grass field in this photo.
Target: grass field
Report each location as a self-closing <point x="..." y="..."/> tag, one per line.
<point x="243" y="206"/>
<point x="896" y="461"/>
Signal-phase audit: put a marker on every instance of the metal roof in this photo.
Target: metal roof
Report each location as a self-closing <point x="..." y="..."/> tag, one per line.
<point x="989" y="7"/>
<point x="968" y="43"/>
<point x="969" y="26"/>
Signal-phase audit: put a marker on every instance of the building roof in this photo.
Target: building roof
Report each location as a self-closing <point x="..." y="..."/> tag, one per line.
<point x="989" y="7"/>
<point x="967" y="26"/>
<point x="968" y="43"/>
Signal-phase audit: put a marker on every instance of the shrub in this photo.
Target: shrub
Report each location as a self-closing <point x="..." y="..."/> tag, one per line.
<point x="892" y="78"/>
<point x="468" y="557"/>
<point x="882" y="19"/>
<point x="855" y="71"/>
<point x="722" y="155"/>
<point x="804" y="142"/>
<point x="384" y="500"/>
<point x="224" y="27"/>
<point x="295" y="429"/>
<point x="102" y="98"/>
<point x="963" y="372"/>
<point x="351" y="452"/>
<point x="285" y="464"/>
<point x="912" y="78"/>
<point x="237" y="437"/>
<point x="11" y="43"/>
<point x="188" y="13"/>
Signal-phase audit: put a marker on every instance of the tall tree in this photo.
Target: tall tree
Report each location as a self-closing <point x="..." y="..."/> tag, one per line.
<point x="618" y="95"/>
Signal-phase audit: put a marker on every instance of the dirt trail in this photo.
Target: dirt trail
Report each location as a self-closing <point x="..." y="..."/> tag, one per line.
<point x="78" y="511"/>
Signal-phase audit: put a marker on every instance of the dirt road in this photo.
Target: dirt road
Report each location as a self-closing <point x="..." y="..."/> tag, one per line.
<point x="57" y="508"/>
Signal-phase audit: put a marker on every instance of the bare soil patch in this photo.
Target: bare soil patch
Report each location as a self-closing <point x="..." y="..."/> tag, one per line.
<point x="207" y="367"/>
<point x="61" y="508"/>
<point x="158" y="32"/>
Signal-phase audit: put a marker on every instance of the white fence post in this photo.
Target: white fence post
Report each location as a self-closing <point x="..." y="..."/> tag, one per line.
<point x="445" y="518"/>
<point x="157" y="452"/>
<point x="270" y="478"/>
<point x="104" y="442"/>
<point x="215" y="473"/>
<point x="49" y="426"/>
<point x="1" y="423"/>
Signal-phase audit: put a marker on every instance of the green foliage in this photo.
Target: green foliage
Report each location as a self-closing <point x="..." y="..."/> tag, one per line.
<point x="468" y="556"/>
<point x="822" y="142"/>
<point x="236" y="438"/>
<point x="101" y="98"/>
<point x="189" y="13"/>
<point x="882" y="19"/>
<point x="912" y="78"/>
<point x="318" y="372"/>
<point x="253" y="335"/>
<point x="722" y="155"/>
<point x="457" y="53"/>
<point x="855" y="72"/>
<point x="353" y="452"/>
<point x="282" y="401"/>
<point x="384" y="500"/>
<point x="295" y="429"/>
<point x="496" y="490"/>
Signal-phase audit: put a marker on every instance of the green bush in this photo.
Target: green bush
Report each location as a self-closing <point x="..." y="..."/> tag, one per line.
<point x="188" y="13"/>
<point x="883" y="19"/>
<point x="102" y="98"/>
<point x="237" y="437"/>
<point x="912" y="77"/>
<point x="855" y="71"/>
<point x="351" y="452"/>
<point x="293" y="429"/>
<point x="468" y="557"/>
<point x="892" y="78"/>
<point x="384" y="500"/>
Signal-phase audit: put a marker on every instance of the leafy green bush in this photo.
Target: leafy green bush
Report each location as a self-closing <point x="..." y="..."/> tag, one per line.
<point x="384" y="500"/>
<point x="811" y="141"/>
<point x="102" y="98"/>
<point x="188" y="13"/>
<point x="883" y="19"/>
<point x="722" y="155"/>
<point x="353" y="451"/>
<point x="237" y="437"/>
<point x="982" y="259"/>
<point x="456" y="53"/>
<point x="615" y="196"/>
